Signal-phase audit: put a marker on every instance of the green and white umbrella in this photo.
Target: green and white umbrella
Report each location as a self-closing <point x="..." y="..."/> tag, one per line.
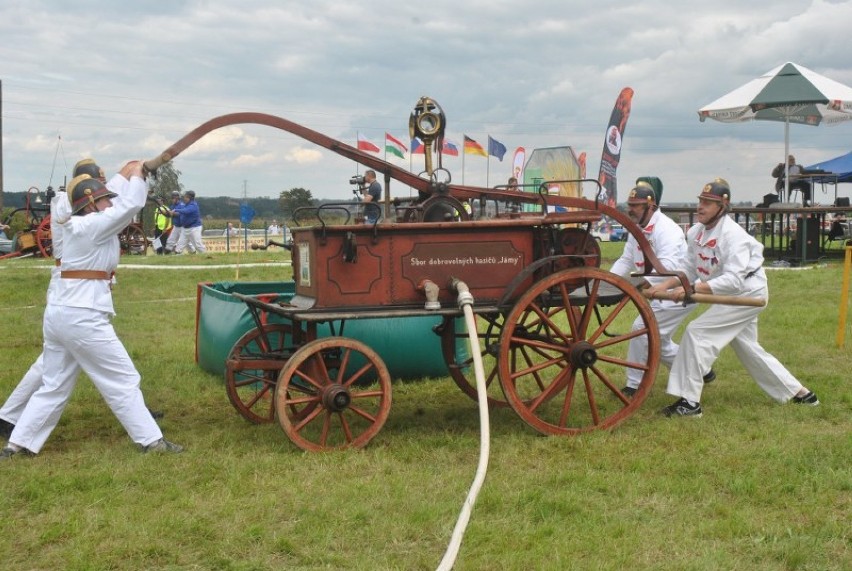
<point x="789" y="93"/>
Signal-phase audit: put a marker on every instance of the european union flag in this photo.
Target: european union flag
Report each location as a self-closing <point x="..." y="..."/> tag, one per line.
<point x="246" y="213"/>
<point x="496" y="148"/>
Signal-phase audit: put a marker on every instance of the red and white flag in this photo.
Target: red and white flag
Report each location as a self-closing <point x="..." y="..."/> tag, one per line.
<point x="364" y="144"/>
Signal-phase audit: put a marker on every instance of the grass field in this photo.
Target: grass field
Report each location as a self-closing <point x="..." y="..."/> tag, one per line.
<point x="751" y="485"/>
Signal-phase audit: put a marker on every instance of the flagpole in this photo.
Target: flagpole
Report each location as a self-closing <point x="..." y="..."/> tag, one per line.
<point x="357" y="146"/>
<point x="463" y="152"/>
<point x="239" y="254"/>
<point x="487" y="169"/>
<point x="411" y="167"/>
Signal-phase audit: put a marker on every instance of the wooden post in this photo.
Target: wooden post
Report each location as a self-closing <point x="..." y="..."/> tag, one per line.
<point x="844" y="299"/>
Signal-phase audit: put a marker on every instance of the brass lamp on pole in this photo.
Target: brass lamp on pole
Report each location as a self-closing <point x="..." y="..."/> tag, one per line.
<point x="427" y="123"/>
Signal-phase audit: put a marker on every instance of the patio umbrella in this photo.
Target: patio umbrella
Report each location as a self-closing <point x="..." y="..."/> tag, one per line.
<point x="789" y="93"/>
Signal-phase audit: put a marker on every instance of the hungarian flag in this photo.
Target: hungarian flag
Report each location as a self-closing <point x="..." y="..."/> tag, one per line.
<point x="417" y="147"/>
<point x="394" y="146"/>
<point x="471" y="147"/>
<point x="496" y="148"/>
<point x="365" y="144"/>
<point x="450" y="148"/>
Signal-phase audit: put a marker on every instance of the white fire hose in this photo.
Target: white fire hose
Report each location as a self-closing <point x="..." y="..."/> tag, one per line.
<point x="465" y="301"/>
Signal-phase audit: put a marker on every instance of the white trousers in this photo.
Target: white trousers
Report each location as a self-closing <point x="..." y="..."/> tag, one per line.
<point x="174" y="237"/>
<point x="707" y="335"/>
<point x="28" y="385"/>
<point x="669" y="315"/>
<point x="191" y="238"/>
<point x="76" y="338"/>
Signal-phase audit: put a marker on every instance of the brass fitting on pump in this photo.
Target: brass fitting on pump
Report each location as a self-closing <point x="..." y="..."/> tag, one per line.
<point x="431" y="289"/>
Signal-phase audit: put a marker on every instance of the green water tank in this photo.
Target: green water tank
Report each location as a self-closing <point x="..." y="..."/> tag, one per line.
<point x="408" y="345"/>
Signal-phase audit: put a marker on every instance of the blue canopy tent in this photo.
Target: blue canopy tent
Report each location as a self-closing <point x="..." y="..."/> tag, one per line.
<point x="838" y="166"/>
<point x="831" y="172"/>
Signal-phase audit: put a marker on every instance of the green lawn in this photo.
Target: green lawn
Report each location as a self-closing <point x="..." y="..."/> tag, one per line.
<point x="751" y="485"/>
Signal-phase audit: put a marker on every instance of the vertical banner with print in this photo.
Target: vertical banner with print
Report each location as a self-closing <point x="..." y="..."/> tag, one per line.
<point x="518" y="165"/>
<point x="612" y="147"/>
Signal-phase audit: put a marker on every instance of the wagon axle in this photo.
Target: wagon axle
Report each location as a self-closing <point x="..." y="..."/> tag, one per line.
<point x="336" y="398"/>
<point x="583" y="354"/>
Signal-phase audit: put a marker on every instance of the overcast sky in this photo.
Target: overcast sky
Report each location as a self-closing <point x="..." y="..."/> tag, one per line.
<point x="123" y="80"/>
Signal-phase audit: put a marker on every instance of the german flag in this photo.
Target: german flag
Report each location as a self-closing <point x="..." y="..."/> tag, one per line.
<point x="471" y="147"/>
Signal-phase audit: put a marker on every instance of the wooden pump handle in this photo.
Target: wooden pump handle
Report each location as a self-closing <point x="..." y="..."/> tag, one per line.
<point x="713" y="298"/>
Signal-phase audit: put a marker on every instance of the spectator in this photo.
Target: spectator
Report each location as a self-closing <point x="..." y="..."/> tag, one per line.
<point x="373" y="197"/>
<point x="512" y="186"/>
<point x="797" y="180"/>
<point x="230" y="231"/>
<point x="162" y="227"/>
<point x="274" y="229"/>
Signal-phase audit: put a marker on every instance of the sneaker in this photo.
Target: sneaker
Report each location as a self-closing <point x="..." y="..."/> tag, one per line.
<point x="162" y="445"/>
<point x="629" y="391"/>
<point x="156" y="414"/>
<point x="710" y="377"/>
<point x="8" y="452"/>
<point x="682" y="408"/>
<point x="809" y="399"/>
<point x="6" y="429"/>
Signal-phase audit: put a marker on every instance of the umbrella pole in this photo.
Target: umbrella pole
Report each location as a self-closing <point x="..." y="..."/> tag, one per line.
<point x="787" y="154"/>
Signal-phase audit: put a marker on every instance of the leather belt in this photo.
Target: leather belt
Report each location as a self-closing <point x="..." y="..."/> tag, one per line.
<point x="85" y="274"/>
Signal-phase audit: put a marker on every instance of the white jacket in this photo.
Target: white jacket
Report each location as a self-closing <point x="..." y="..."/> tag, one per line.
<point x="90" y="242"/>
<point x="667" y="242"/>
<point x="726" y="258"/>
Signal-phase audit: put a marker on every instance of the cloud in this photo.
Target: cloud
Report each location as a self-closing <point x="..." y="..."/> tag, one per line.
<point x="245" y="160"/>
<point x="303" y="156"/>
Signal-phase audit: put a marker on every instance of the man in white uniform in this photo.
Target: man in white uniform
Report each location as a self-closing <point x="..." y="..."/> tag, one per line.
<point x="668" y="244"/>
<point x="724" y="259"/>
<point x="60" y="212"/>
<point x="177" y="229"/>
<point x="77" y="330"/>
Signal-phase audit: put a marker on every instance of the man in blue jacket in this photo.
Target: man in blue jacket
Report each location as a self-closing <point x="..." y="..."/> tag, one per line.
<point x="190" y="219"/>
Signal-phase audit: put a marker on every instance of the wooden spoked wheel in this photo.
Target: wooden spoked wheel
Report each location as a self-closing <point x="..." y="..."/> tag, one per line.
<point x="133" y="240"/>
<point x="564" y="359"/>
<point x="252" y="367"/>
<point x="333" y="393"/>
<point x="460" y="361"/>
<point x="580" y="244"/>
<point x="44" y="237"/>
